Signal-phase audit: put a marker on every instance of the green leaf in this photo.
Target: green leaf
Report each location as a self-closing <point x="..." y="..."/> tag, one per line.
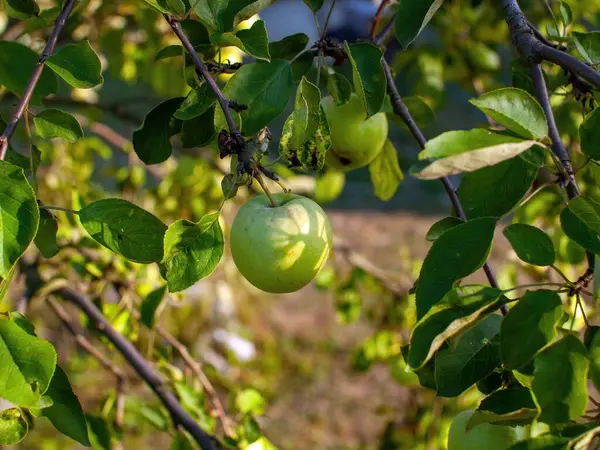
<point x="543" y="442"/>
<point x="565" y="360"/>
<point x="99" y="432"/>
<point x="289" y="46"/>
<point x="78" y="65"/>
<point x="13" y="426"/>
<point x="196" y="103"/>
<point x="592" y="342"/>
<point x="181" y="442"/>
<point x="368" y="75"/>
<point x="16" y="65"/>
<point x="314" y="5"/>
<point x="385" y="172"/>
<point x="510" y="407"/>
<point x="265" y="87"/>
<point x="494" y="191"/>
<point x="253" y="41"/>
<point x="531" y="244"/>
<point x="196" y="33"/>
<point x="441" y="226"/>
<point x="329" y="185"/>
<point x="515" y="109"/>
<point x="175" y="7"/>
<point x="310" y="155"/>
<point x="21" y="9"/>
<point x="472" y="357"/>
<point x="459" y="309"/>
<point x="466" y="151"/>
<point x="192" y="251"/>
<point x="339" y="88"/>
<point x="566" y="13"/>
<point x="125" y="228"/>
<point x="57" y="124"/>
<point x="152" y="142"/>
<point x="412" y="17"/>
<point x="587" y="210"/>
<point x="45" y="239"/>
<point x="200" y="130"/>
<point x="219" y="14"/>
<point x="457" y="253"/>
<point x="157" y="5"/>
<point x="65" y="413"/>
<point x="307" y="113"/>
<point x="589" y="132"/>
<point x="579" y="232"/>
<point x="27" y="363"/>
<point x="169" y="51"/>
<point x="19" y="216"/>
<point x="529" y="326"/>
<point x="418" y="109"/>
<point x="150" y="304"/>
<point x="250" y="401"/>
<point x="588" y="45"/>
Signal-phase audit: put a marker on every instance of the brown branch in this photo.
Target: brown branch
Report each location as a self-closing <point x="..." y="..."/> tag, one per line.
<point x="378" y="15"/>
<point x="116" y="109"/>
<point x="35" y="77"/>
<point x="402" y="111"/>
<point x="533" y="48"/>
<point x="83" y="341"/>
<point x="204" y="73"/>
<point x="196" y="369"/>
<point x="141" y="366"/>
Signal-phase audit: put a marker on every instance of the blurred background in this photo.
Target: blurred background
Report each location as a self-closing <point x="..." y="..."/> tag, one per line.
<point x="326" y="360"/>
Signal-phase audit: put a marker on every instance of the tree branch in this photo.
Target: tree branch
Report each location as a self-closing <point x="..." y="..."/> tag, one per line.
<point x="402" y="111"/>
<point x="35" y="77"/>
<point x="141" y="366"/>
<point x="534" y="49"/>
<point x="196" y="368"/>
<point x="83" y="341"/>
<point x="204" y="73"/>
<point x="558" y="148"/>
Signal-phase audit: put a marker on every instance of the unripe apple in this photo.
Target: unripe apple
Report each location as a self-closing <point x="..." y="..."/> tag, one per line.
<point x="355" y="142"/>
<point x="280" y="248"/>
<point x="483" y="436"/>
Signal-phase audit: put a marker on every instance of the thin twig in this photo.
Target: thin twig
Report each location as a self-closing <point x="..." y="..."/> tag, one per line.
<point x="204" y="73"/>
<point x="58" y="208"/>
<point x="83" y="341"/>
<point x="324" y="33"/>
<point x="196" y="368"/>
<point x="141" y="366"/>
<point x="35" y="77"/>
<point x="377" y="19"/>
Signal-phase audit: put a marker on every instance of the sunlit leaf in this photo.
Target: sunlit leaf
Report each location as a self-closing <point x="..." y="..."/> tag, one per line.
<point x="78" y="65"/>
<point x="125" y="228"/>
<point x="515" y="109"/>
<point x="19" y="216"/>
<point x="192" y="251"/>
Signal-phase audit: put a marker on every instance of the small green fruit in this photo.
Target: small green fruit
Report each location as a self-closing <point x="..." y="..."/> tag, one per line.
<point x="280" y="249"/>
<point x="355" y="142"/>
<point x="482" y="436"/>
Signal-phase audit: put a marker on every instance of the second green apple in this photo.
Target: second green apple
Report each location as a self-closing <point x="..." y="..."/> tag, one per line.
<point x="355" y="142"/>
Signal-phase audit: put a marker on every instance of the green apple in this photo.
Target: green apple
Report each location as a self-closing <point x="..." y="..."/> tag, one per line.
<point x="482" y="436"/>
<point x="355" y="142"/>
<point x="280" y="248"/>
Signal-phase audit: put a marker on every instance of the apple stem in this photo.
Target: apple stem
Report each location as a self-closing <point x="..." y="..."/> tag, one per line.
<point x="263" y="185"/>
